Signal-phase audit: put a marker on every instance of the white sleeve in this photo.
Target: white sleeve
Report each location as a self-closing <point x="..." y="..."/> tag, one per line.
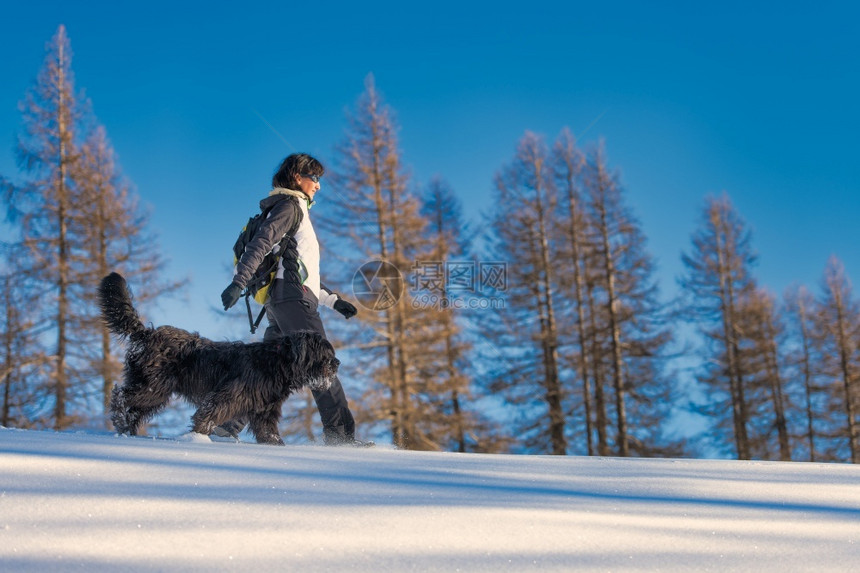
<point x="327" y="298"/>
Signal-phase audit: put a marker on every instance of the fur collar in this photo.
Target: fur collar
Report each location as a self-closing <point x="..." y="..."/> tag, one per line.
<point x="293" y="192"/>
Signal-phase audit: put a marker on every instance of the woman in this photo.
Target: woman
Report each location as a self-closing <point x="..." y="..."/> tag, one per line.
<point x="296" y="292"/>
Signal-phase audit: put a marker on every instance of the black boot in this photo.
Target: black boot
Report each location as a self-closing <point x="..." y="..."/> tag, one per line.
<point x="230" y="429"/>
<point x="339" y="438"/>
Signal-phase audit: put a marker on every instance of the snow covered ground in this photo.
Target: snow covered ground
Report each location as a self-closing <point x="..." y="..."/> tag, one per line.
<point x="93" y="502"/>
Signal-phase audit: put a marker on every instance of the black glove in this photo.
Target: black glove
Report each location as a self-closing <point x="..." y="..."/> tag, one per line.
<point x="345" y="308"/>
<point x="231" y="295"/>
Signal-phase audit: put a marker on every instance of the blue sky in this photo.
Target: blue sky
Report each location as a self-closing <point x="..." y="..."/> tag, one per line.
<point x="202" y="100"/>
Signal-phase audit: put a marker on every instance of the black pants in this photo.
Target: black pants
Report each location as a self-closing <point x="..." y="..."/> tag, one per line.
<point x="290" y="315"/>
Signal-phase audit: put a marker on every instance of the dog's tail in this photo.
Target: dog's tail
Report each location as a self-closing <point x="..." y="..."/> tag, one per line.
<point x="117" y="308"/>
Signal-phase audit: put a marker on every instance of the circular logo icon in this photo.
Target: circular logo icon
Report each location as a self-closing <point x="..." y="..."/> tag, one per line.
<point x="377" y="285"/>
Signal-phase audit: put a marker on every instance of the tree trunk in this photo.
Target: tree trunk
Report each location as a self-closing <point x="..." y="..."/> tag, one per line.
<point x="807" y="377"/>
<point x="8" y="338"/>
<point x="845" y="375"/>
<point x="614" y="327"/>
<point x="61" y="381"/>
<point x="579" y="286"/>
<point x="772" y="361"/>
<point x="597" y="365"/>
<point x="549" y="333"/>
<point x="730" y="342"/>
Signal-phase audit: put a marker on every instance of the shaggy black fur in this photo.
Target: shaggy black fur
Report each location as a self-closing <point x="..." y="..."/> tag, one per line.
<point x="224" y="380"/>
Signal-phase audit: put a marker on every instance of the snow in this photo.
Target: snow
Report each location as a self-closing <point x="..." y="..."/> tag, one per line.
<point x="101" y="502"/>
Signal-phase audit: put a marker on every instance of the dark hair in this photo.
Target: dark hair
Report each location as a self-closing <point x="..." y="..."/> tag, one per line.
<point x="293" y="165"/>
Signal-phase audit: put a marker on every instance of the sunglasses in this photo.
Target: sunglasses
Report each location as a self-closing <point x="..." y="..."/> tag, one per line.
<point x="314" y="178"/>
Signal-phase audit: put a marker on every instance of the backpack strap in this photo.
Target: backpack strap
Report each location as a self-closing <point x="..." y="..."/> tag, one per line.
<point x="254" y="323"/>
<point x="255" y="281"/>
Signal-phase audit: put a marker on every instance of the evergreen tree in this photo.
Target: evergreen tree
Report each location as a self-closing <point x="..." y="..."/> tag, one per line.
<point x="838" y="322"/>
<point x="629" y="326"/>
<point x="447" y="358"/>
<point x="376" y="214"/>
<point x="115" y="238"/>
<point x="22" y="358"/>
<point x="717" y="279"/>
<point x="583" y="325"/>
<point x="761" y="339"/>
<point x="77" y="220"/>
<point x="802" y="361"/>
<point x="525" y="332"/>
<point x="48" y="153"/>
<point x="575" y="248"/>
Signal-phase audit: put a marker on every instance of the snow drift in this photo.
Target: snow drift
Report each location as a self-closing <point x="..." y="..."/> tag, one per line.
<point x="84" y="501"/>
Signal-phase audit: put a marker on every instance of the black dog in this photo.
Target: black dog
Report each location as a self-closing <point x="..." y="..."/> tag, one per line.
<point x="225" y="380"/>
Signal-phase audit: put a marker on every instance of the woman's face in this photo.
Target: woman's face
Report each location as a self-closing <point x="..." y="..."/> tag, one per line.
<point x="308" y="184"/>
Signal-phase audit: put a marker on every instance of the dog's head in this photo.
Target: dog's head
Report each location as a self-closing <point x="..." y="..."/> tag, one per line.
<point x="314" y="358"/>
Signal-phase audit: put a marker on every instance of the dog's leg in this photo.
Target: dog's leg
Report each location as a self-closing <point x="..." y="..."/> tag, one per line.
<point x="141" y="404"/>
<point x="216" y="408"/>
<point x="201" y="421"/>
<point x="264" y="425"/>
<point x="123" y="421"/>
<point x="128" y="418"/>
<point x="127" y="413"/>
